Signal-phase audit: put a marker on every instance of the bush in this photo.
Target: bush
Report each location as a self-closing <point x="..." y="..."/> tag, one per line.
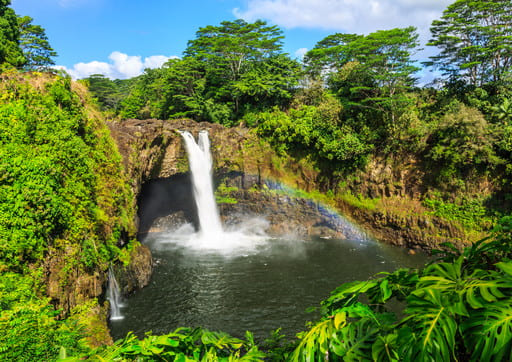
<point x="461" y="143"/>
<point x="308" y="129"/>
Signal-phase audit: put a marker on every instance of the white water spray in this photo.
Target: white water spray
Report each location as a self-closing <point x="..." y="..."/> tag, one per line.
<point x="200" y="161"/>
<point x="114" y="296"/>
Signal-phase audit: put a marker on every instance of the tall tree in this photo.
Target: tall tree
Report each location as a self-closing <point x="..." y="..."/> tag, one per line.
<point x="10" y="51"/>
<point x="228" y="49"/>
<point x="268" y="83"/>
<point x="475" y="41"/>
<point x="234" y="43"/>
<point x="35" y="45"/>
<point x="385" y="54"/>
<point x="330" y="53"/>
<point x="371" y="72"/>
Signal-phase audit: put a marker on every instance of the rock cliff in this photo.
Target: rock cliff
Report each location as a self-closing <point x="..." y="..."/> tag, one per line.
<point x="152" y="149"/>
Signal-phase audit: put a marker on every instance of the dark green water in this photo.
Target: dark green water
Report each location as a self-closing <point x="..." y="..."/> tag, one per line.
<point x="260" y="291"/>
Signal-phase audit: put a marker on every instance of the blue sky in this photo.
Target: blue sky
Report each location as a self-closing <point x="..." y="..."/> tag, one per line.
<point x="119" y="38"/>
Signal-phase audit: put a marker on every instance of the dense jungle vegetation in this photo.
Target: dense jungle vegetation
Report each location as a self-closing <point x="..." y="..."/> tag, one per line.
<point x="353" y="98"/>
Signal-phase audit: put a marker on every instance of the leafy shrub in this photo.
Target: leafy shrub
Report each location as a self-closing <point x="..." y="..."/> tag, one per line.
<point x="222" y="194"/>
<point x="461" y="143"/>
<point x="308" y="129"/>
<point x="30" y="329"/>
<point x="472" y="214"/>
<point x="359" y="201"/>
<point x="59" y="178"/>
<point x="184" y="344"/>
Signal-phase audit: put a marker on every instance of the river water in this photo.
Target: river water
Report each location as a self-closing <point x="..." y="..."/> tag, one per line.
<point x="267" y="287"/>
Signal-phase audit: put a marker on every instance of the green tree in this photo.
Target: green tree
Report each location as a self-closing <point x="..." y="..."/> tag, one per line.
<point x="10" y="51"/>
<point x="371" y="74"/>
<point x="35" y="45"/>
<point x="229" y="50"/>
<point x="182" y="89"/>
<point x="268" y="83"/>
<point x="235" y="43"/>
<point x="228" y="71"/>
<point x="461" y="146"/>
<point x="385" y="54"/>
<point x="109" y="93"/>
<point x="330" y="53"/>
<point x="475" y="41"/>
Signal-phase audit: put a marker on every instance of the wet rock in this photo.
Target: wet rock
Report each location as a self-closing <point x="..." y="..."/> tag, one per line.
<point x="286" y="215"/>
<point x="406" y="231"/>
<point x="69" y="287"/>
<point x="168" y="222"/>
<point x="137" y="273"/>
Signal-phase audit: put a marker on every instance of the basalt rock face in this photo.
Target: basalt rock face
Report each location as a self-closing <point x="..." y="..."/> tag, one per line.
<point x="168" y="204"/>
<point x="286" y="215"/>
<point x="137" y="273"/>
<point x="78" y="287"/>
<point x="153" y="149"/>
<point x="412" y="232"/>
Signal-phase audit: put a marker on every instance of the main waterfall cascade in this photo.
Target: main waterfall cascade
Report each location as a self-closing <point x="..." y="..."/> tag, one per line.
<point x="200" y="163"/>
<point x="244" y="237"/>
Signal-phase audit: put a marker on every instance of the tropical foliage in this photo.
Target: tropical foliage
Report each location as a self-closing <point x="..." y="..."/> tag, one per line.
<point x="184" y="344"/>
<point x="62" y="192"/>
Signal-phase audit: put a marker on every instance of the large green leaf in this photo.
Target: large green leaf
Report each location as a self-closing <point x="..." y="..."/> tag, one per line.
<point x="385" y="348"/>
<point x="474" y="290"/>
<point x="347" y="334"/>
<point x="397" y="284"/>
<point x="428" y="333"/>
<point x="347" y="294"/>
<point x="488" y="332"/>
<point x="354" y="342"/>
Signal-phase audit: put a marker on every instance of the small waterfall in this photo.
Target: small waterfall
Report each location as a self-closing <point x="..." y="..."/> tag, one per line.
<point x="200" y="163"/>
<point x="114" y="296"/>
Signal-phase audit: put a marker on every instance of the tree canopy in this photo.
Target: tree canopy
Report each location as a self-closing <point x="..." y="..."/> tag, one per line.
<point x="227" y="71"/>
<point x="10" y="51"/>
<point x="235" y="43"/>
<point x="475" y="41"/>
<point x="22" y="43"/>
<point x="35" y="45"/>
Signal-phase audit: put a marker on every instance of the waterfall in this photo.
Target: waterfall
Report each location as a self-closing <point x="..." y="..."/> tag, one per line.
<point x="200" y="163"/>
<point x="114" y="296"/>
<point x="245" y="236"/>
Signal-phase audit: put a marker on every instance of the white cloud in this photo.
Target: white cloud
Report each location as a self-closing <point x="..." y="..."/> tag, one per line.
<point x="126" y="66"/>
<point x="299" y="53"/>
<point x="121" y="66"/>
<point x="156" y="61"/>
<point x="352" y="16"/>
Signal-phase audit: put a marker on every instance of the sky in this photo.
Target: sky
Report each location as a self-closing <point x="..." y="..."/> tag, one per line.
<point x="120" y="38"/>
